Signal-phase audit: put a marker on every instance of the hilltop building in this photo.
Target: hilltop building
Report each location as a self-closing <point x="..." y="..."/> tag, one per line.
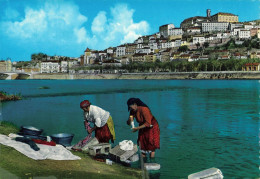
<point x="165" y="29"/>
<point x="224" y="17"/>
<point x="194" y="22"/>
<point x="209" y="23"/>
<point x="215" y="26"/>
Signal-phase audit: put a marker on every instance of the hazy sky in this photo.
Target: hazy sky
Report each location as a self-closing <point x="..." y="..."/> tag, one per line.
<point x="68" y="27"/>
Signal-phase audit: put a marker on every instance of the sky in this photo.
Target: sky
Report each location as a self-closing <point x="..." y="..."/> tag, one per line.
<point x="68" y="27"/>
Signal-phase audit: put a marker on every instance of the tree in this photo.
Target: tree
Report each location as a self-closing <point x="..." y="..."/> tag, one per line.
<point x="183" y="48"/>
<point x="206" y="45"/>
<point x="197" y="45"/>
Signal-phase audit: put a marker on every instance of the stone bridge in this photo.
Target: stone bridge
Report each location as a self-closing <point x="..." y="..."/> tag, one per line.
<point x="14" y="75"/>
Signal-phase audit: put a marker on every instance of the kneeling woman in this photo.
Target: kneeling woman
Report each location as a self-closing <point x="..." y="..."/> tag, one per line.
<point x="103" y="123"/>
<point x="149" y="132"/>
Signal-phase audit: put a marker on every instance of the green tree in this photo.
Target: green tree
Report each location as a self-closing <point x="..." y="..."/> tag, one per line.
<point x="183" y="48"/>
<point x="206" y="45"/>
<point x="197" y="45"/>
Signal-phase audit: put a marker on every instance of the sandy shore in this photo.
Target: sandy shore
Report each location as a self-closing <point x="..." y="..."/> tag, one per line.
<point x="156" y="76"/>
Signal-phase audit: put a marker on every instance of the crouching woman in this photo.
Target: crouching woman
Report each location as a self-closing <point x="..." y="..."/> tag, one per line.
<point x="103" y="123"/>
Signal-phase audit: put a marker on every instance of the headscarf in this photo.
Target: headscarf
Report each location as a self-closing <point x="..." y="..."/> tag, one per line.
<point x="136" y="101"/>
<point x="85" y="104"/>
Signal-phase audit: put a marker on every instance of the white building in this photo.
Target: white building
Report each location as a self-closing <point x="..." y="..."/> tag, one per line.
<point x="64" y="67"/>
<point x="102" y="55"/>
<point x="165" y="29"/>
<point x="244" y="34"/>
<point x="248" y="26"/>
<point x="223" y="35"/>
<point x="214" y="26"/>
<point x="139" y="40"/>
<point x="50" y="67"/>
<point x="110" y="50"/>
<point x="175" y="31"/>
<point x="145" y="50"/>
<point x="235" y="31"/>
<point x="194" y="30"/>
<point x="235" y="25"/>
<point x="153" y="45"/>
<point x="169" y="44"/>
<point x="152" y="39"/>
<point x="198" y="39"/>
<point x="209" y="38"/>
<point x="172" y="43"/>
<point x="120" y="51"/>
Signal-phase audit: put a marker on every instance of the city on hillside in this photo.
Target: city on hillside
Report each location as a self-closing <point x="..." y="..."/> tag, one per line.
<point x="218" y="37"/>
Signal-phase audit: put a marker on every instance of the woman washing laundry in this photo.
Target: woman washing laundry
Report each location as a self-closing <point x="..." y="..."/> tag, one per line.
<point x="103" y="123"/>
<point x="148" y="129"/>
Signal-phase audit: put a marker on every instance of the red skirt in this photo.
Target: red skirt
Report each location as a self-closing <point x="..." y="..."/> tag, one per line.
<point x="103" y="134"/>
<point x="149" y="137"/>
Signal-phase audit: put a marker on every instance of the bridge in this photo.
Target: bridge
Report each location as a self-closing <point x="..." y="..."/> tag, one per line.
<point x="14" y="75"/>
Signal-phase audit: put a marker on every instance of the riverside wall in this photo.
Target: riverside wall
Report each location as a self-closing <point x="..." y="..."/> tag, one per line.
<point x="152" y="76"/>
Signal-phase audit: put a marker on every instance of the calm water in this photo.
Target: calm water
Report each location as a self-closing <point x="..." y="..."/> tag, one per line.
<point x="204" y="123"/>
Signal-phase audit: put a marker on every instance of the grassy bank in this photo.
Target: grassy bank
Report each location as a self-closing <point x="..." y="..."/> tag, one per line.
<point x="9" y="97"/>
<point x="23" y="167"/>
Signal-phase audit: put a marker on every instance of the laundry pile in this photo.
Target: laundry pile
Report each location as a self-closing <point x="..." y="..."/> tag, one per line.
<point x="37" y="151"/>
<point x="31" y="143"/>
<point x="125" y="152"/>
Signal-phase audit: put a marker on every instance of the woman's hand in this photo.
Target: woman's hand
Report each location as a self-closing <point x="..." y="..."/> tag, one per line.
<point x="90" y="130"/>
<point x="135" y="129"/>
<point x="130" y="119"/>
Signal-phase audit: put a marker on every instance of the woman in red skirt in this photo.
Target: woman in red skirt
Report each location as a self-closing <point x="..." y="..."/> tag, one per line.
<point x="103" y="123"/>
<point x="148" y="129"/>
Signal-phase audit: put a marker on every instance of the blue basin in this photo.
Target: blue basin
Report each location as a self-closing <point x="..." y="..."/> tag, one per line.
<point x="30" y="130"/>
<point x="62" y="138"/>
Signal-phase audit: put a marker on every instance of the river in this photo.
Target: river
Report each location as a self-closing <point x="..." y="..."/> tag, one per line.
<point x="203" y="123"/>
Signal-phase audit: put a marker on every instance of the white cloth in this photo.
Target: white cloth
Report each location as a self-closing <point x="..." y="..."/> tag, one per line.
<point x="126" y="145"/>
<point x="97" y="115"/>
<point x="57" y="152"/>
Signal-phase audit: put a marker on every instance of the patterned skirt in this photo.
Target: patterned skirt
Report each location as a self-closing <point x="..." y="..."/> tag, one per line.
<point x="149" y="137"/>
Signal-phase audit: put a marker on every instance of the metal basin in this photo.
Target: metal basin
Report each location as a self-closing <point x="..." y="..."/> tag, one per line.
<point x="30" y="130"/>
<point x="62" y="138"/>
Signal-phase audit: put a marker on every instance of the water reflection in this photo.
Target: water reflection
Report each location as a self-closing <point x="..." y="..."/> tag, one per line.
<point x="203" y="123"/>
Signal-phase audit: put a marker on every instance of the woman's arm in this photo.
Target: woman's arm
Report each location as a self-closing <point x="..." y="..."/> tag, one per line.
<point x="90" y="130"/>
<point x="138" y="128"/>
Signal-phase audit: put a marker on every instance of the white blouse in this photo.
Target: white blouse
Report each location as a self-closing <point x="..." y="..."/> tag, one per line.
<point x="97" y="115"/>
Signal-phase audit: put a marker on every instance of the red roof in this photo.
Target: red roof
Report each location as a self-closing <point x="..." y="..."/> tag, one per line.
<point x="252" y="64"/>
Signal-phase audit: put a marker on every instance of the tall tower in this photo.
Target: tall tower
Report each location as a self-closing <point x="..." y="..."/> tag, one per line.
<point x="208" y="13"/>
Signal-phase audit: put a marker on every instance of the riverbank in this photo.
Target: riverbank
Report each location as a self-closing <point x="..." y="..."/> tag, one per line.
<point x="9" y="97"/>
<point x="16" y="165"/>
<point x="155" y="76"/>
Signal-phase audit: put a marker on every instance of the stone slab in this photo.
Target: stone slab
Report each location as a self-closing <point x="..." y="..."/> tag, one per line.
<point x="101" y="148"/>
<point x="211" y="173"/>
<point x="119" y="154"/>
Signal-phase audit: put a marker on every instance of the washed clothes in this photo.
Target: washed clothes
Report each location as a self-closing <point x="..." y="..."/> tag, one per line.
<point x="97" y="115"/>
